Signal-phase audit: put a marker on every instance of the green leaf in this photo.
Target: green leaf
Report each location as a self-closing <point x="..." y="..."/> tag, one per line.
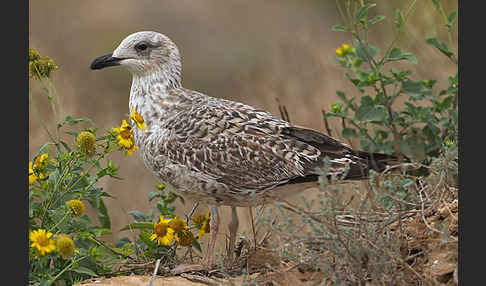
<point x="367" y="145"/>
<point x="138" y="216"/>
<point x="99" y="231"/>
<point x="84" y="270"/>
<point x="399" y="20"/>
<point x="362" y="12"/>
<point x="437" y="4"/>
<point x="43" y="149"/>
<point x="371" y="113"/>
<point x="145" y="238"/>
<point x="196" y="245"/>
<point x="349" y="133"/>
<point x="138" y="225"/>
<point x="101" y="211"/>
<point x="375" y="20"/>
<point x="413" y="148"/>
<point x="416" y="89"/>
<point x="441" y="47"/>
<point x="340" y="28"/>
<point x="65" y="146"/>
<point x="71" y="120"/>
<point x="452" y="17"/>
<point x="153" y="195"/>
<point x="396" y="54"/>
<point x="365" y="51"/>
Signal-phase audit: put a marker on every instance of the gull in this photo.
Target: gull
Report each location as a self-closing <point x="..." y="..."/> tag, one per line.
<point x="221" y="152"/>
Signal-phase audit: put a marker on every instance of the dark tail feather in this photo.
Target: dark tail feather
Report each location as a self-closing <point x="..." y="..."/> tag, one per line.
<point x="366" y="161"/>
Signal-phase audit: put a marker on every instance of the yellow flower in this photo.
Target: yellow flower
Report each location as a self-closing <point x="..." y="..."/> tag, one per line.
<point x="184" y="238"/>
<point x="76" y="207"/>
<point x="178" y="224"/>
<point x="40" y="163"/>
<point x="162" y="232"/>
<point x="339" y="52"/>
<point x="86" y="143"/>
<point x="202" y="223"/>
<point x="33" y="54"/>
<point x="198" y="220"/>
<point x="42" y="241"/>
<point x="345" y="48"/>
<point x="40" y="66"/>
<point x="32" y="176"/>
<point x="138" y="119"/>
<point x="65" y="245"/>
<point x="125" y="138"/>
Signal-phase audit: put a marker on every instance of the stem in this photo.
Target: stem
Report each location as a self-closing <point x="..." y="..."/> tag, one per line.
<point x="341" y="13"/>
<point x="399" y="32"/>
<point x="34" y="108"/>
<point x="67" y="268"/>
<point x="59" y="222"/>
<point x="56" y="187"/>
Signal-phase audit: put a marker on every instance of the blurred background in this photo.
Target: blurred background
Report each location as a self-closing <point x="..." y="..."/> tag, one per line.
<point x="255" y="52"/>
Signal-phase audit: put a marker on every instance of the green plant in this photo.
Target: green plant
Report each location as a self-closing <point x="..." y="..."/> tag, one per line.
<point x="160" y="235"/>
<point x="63" y="176"/>
<point x="360" y="235"/>
<point x="425" y="122"/>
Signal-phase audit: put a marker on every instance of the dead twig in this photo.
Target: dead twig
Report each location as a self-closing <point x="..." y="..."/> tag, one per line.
<point x="155" y="271"/>
<point x="201" y="279"/>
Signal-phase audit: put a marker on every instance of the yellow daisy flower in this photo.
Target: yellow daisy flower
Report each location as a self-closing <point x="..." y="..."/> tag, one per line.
<point x="184" y="238"/>
<point x="345" y="48"/>
<point x="162" y="232"/>
<point x="125" y="138"/>
<point x="76" y="207"/>
<point x="65" y="245"/>
<point x="198" y="220"/>
<point x="42" y="161"/>
<point x="178" y="224"/>
<point x="42" y="241"/>
<point x="138" y="119"/>
<point x="202" y="223"/>
<point x="339" y="52"/>
<point x="32" y="176"/>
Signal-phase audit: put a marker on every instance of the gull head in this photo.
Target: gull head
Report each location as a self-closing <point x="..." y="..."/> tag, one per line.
<point x="142" y="53"/>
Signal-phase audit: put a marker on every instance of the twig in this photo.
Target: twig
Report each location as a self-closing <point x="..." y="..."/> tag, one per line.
<point x="155" y="271"/>
<point x="111" y="249"/>
<point x="252" y="226"/>
<point x="283" y="111"/>
<point x="194" y="207"/>
<point x="326" y="123"/>
<point x="201" y="279"/>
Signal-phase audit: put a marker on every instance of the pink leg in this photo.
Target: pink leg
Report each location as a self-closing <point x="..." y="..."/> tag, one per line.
<point x="214" y="225"/>
<point x="233" y="228"/>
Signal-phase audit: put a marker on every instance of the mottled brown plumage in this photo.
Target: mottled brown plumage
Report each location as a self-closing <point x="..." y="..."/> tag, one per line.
<point x="217" y="151"/>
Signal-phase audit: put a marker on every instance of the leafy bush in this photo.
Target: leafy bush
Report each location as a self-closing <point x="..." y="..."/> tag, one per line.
<point x="358" y="235"/>
<point x="65" y="245"/>
<point x="426" y="120"/>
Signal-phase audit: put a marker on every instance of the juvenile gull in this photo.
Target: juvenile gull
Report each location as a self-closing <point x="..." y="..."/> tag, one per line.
<point x="218" y="151"/>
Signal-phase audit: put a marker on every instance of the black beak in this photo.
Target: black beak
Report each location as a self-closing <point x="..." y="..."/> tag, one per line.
<point x="105" y="61"/>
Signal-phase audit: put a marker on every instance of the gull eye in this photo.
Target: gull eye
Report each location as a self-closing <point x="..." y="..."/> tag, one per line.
<point x="141" y="47"/>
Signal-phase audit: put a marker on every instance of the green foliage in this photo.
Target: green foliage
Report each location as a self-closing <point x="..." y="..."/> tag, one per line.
<point x="61" y="173"/>
<point x="146" y="224"/>
<point x="396" y="113"/>
<point x="368" y="234"/>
